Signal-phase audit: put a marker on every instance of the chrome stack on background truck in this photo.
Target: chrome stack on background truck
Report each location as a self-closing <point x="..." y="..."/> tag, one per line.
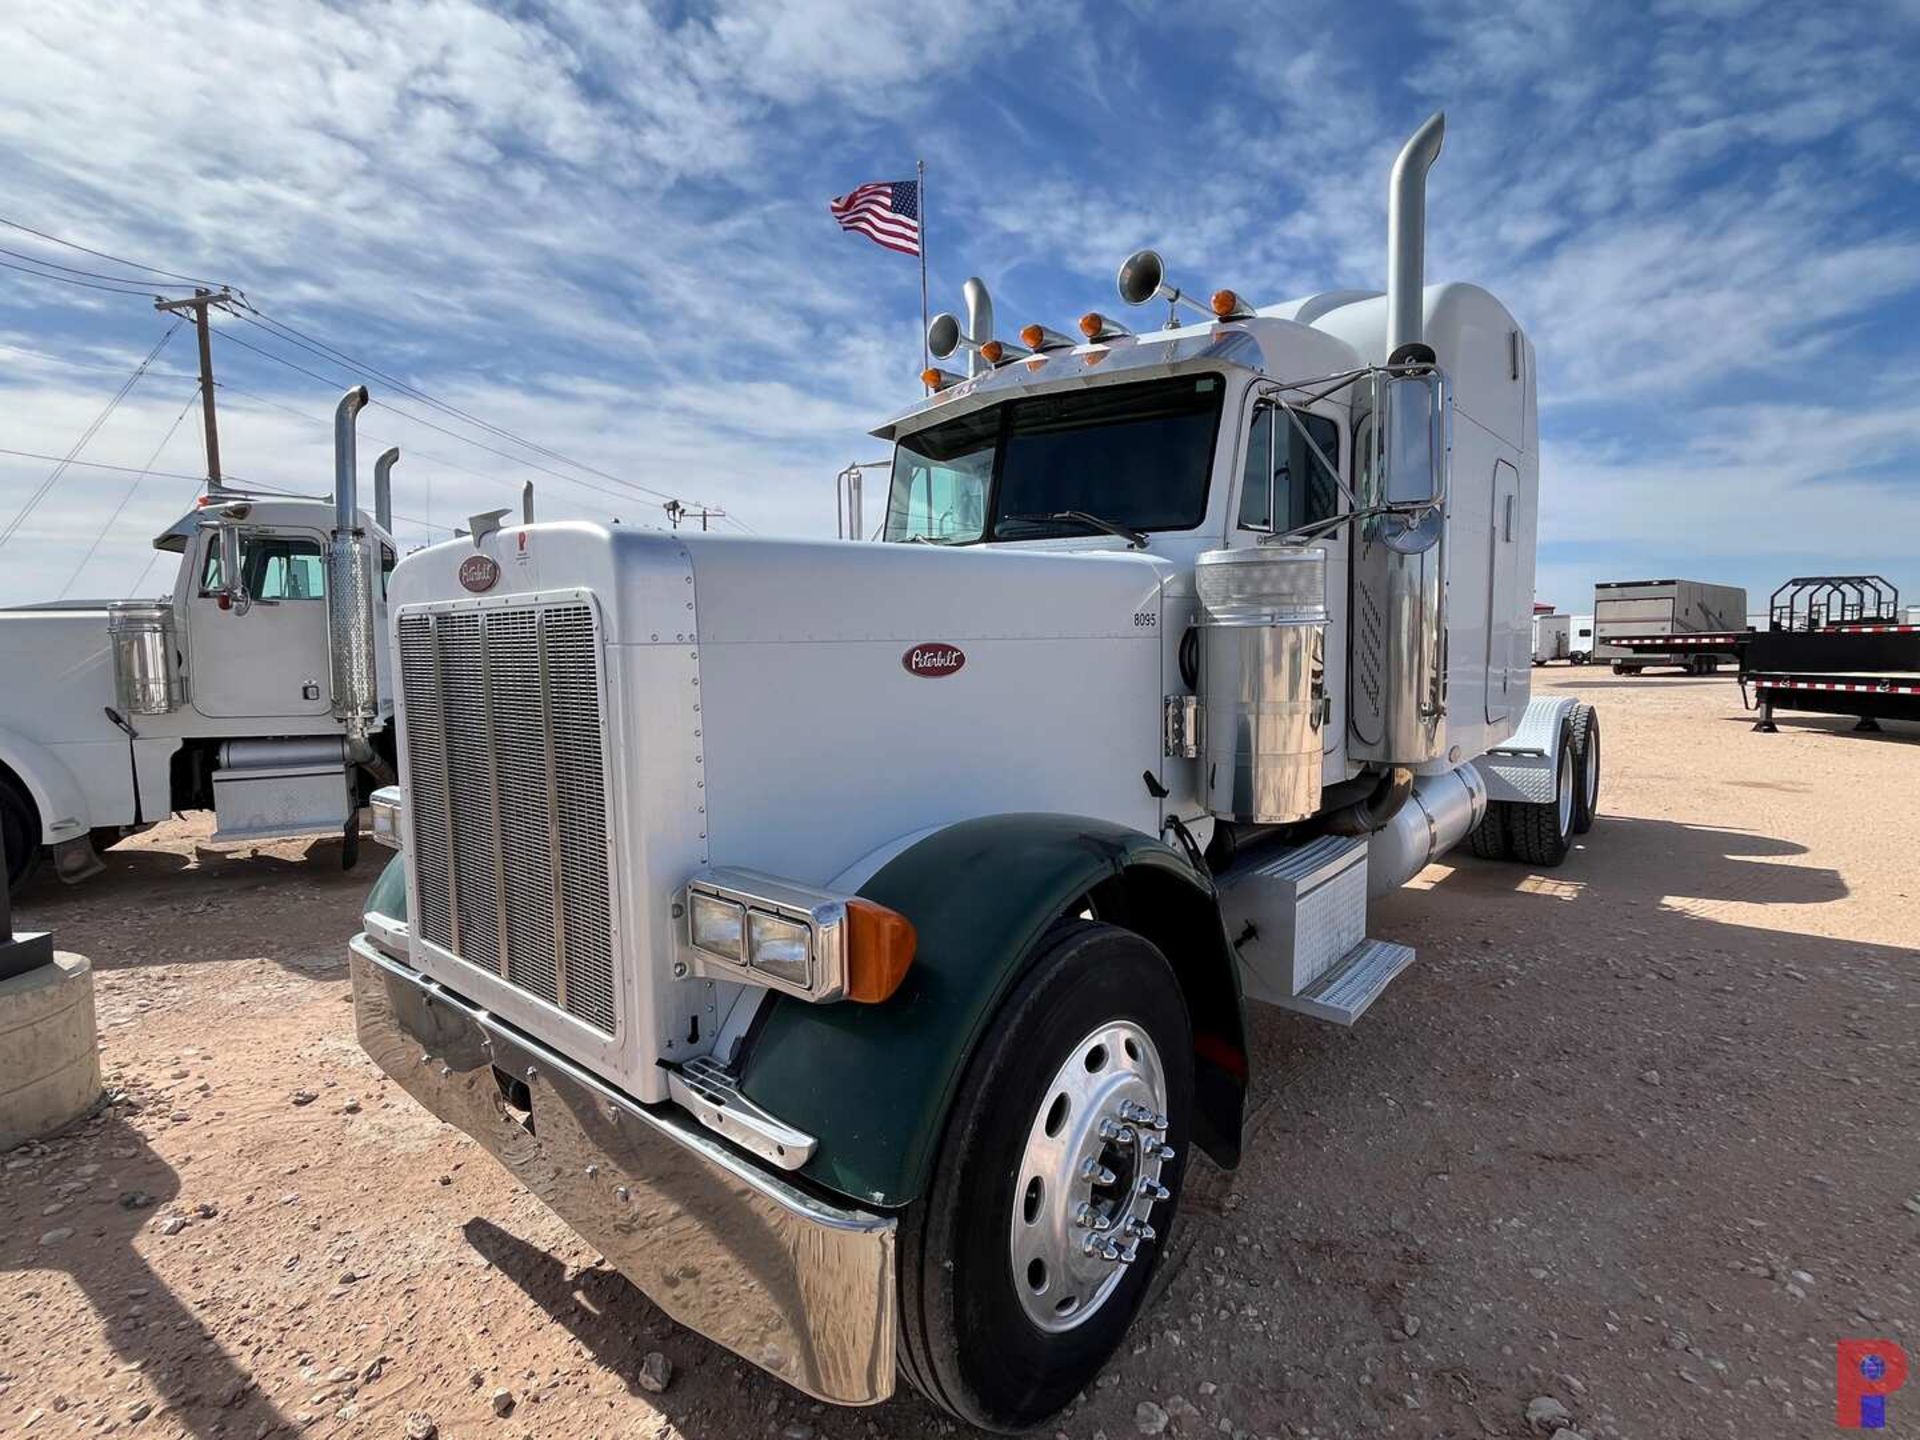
<point x="851" y="941"/>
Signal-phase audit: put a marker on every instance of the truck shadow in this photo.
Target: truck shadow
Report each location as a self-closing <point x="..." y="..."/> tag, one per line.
<point x="193" y="1384"/>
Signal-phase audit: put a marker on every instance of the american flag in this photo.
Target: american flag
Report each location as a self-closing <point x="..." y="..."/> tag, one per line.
<point x="887" y="212"/>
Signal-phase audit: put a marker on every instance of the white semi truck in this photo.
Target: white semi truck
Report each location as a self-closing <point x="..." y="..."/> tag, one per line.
<point x="255" y="688"/>
<point x="851" y="940"/>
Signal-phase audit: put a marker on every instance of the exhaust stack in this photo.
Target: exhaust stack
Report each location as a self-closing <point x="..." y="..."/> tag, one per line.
<point x="1407" y="235"/>
<point x="979" y="321"/>
<point x="356" y="695"/>
<point x="383" y="489"/>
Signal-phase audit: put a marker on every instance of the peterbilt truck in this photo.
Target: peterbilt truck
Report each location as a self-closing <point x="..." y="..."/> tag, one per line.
<point x="255" y="688"/>
<point x="851" y="941"/>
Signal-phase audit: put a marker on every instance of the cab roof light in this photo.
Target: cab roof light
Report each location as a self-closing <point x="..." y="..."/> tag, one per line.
<point x="1040" y="339"/>
<point x="936" y="379"/>
<point x="1228" y="305"/>
<point x="1096" y="326"/>
<point x="999" y="352"/>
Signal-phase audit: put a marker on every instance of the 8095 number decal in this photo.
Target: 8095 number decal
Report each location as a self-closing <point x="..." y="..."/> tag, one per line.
<point x="1146" y="619"/>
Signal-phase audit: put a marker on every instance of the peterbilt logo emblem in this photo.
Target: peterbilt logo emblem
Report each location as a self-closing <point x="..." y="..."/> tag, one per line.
<point x="479" y="573"/>
<point x="933" y="660"/>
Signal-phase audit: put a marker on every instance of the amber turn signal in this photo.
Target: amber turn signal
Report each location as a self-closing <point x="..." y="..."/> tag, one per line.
<point x="880" y="946"/>
<point x="1032" y="335"/>
<point x="938" y="379"/>
<point x="993" y="352"/>
<point x="1092" y="324"/>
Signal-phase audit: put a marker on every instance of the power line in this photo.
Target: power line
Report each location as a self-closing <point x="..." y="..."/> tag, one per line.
<point x="332" y="354"/>
<point x="103" y="255"/>
<point x="69" y="269"/>
<point x="83" y="284"/>
<point x="132" y="489"/>
<point x="60" y="469"/>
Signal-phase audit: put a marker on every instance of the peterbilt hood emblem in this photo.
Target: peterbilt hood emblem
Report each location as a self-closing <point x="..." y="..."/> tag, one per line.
<point x="479" y="573"/>
<point x="933" y="659"/>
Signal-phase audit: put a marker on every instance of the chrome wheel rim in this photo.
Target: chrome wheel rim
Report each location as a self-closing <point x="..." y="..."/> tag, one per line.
<point x="1089" y="1177"/>
<point x="1566" y="790"/>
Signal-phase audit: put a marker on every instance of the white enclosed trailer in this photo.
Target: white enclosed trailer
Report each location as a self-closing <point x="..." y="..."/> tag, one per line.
<point x="1580" y="639"/>
<point x="1631" y="617"/>
<point x="851" y="940"/>
<point x="1552" y="638"/>
<point x="255" y="687"/>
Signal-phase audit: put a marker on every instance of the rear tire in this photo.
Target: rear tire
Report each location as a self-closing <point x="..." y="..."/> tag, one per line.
<point x="1543" y="834"/>
<point x="1586" y="767"/>
<point x="20" y="827"/>
<point x="970" y="1340"/>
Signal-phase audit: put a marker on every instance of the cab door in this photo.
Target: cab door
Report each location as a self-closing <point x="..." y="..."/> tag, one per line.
<point x="270" y="658"/>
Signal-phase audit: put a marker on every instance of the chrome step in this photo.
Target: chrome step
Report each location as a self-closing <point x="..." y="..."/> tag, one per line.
<point x="1355" y="981"/>
<point x="709" y="1092"/>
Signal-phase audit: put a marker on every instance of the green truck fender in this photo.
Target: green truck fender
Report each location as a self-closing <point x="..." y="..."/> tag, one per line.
<point x="873" y="1082"/>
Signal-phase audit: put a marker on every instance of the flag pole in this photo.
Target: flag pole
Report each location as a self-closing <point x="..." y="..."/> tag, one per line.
<point x="920" y="177"/>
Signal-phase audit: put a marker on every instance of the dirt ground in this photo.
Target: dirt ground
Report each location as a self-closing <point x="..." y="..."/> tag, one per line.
<point x="1635" y="1136"/>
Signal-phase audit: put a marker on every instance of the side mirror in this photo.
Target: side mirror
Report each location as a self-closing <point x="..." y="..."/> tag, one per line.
<point x="1417" y="411"/>
<point x="231" y="592"/>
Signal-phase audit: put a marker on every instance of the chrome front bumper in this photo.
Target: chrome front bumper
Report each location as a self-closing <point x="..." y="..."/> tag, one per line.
<point x="802" y="1289"/>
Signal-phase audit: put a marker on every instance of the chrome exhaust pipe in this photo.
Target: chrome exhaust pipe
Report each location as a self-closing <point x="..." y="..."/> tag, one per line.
<point x="979" y="321"/>
<point x="1407" y="235"/>
<point x="356" y="693"/>
<point x="526" y="503"/>
<point x="383" y="489"/>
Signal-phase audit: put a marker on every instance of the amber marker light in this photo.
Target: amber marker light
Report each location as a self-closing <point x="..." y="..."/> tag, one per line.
<point x="993" y="352"/>
<point x="1032" y="336"/>
<point x="1092" y="324"/>
<point x="1228" y="305"/>
<point x="938" y="379"/>
<point x="880" y="946"/>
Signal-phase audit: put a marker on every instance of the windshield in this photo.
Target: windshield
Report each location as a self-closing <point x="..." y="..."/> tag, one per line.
<point x="1139" y="456"/>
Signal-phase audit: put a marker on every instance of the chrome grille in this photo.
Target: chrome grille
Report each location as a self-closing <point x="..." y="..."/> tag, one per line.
<point x="507" y="810"/>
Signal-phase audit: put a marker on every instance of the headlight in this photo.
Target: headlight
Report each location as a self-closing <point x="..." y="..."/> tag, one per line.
<point x="718" y="926"/>
<point x="781" y="948"/>
<point x="744" y="926"/>
<point x="386" y="806"/>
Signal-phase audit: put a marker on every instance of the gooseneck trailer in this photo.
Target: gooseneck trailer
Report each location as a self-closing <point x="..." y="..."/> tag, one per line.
<point x="851" y="941"/>
<point x="1835" y="645"/>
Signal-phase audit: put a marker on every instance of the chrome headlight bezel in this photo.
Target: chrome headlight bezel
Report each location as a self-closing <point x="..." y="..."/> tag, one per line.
<point x="770" y="912"/>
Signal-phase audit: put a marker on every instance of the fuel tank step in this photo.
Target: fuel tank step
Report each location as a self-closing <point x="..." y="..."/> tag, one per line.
<point x="1355" y="981"/>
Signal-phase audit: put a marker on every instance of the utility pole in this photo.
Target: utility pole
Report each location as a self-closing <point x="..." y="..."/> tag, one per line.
<point x="674" y="511"/>
<point x="198" y="305"/>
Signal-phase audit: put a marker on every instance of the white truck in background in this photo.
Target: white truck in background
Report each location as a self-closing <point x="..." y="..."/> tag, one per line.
<point x="851" y="940"/>
<point x="1632" y="619"/>
<point x="256" y="688"/>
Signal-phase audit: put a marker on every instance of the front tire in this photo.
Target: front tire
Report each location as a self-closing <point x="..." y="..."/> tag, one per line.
<point x="1015" y="1286"/>
<point x="20" y="832"/>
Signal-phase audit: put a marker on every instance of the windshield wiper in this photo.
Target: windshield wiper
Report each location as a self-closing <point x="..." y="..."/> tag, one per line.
<point x="1137" y="539"/>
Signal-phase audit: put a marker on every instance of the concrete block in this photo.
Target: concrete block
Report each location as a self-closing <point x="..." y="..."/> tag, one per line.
<point x="49" y="1050"/>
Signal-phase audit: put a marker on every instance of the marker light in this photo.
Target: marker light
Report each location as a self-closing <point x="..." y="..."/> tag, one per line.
<point x="1039" y="337"/>
<point x="992" y="352"/>
<point x="814" y="944"/>
<point x="935" y="379"/>
<point x="1096" y="326"/>
<point x="1228" y="305"/>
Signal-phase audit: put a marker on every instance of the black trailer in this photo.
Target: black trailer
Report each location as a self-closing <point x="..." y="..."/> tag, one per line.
<point x="1835" y="646"/>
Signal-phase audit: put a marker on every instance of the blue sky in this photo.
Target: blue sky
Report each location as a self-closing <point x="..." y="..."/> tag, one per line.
<point x="605" y="227"/>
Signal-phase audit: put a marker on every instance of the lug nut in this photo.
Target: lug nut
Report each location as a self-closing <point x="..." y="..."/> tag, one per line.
<point x="1160" y="1152"/>
<point x="1153" y="1190"/>
<point x="1130" y="1254"/>
<point x="1100" y="1175"/>
<point x="1088" y="1218"/>
<point x="1113" y="1130"/>
<point x="1140" y="1230"/>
